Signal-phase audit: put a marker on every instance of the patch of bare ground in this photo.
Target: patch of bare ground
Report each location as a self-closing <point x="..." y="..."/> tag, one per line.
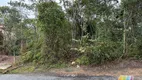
<point x="4" y="59"/>
<point x="116" y="68"/>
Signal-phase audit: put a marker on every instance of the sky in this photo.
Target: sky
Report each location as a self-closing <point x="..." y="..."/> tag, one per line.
<point x="3" y="2"/>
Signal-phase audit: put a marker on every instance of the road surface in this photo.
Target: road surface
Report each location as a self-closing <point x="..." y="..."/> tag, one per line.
<point x="45" y="77"/>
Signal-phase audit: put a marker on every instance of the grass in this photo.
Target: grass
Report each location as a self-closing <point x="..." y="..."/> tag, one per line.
<point x="30" y="68"/>
<point x="23" y="69"/>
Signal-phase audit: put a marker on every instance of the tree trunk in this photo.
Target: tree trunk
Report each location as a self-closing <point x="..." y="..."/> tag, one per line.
<point x="23" y="46"/>
<point x="124" y="34"/>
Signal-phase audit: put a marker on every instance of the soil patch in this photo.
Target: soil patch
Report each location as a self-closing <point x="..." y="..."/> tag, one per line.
<point x="4" y="59"/>
<point x="125" y="67"/>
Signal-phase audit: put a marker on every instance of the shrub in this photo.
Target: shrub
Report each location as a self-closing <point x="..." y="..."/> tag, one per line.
<point x="106" y="51"/>
<point x="83" y="60"/>
<point x="99" y="52"/>
<point x="27" y="57"/>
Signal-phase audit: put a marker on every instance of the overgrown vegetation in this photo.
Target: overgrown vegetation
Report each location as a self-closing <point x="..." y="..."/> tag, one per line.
<point x="85" y="31"/>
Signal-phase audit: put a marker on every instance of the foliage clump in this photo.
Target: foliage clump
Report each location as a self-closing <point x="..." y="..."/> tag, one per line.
<point x="56" y="32"/>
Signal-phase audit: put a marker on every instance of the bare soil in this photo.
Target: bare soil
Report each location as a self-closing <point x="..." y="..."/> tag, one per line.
<point x="4" y="59"/>
<point x="116" y="68"/>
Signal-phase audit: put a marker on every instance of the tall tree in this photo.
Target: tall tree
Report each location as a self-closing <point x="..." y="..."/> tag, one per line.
<point x="56" y="30"/>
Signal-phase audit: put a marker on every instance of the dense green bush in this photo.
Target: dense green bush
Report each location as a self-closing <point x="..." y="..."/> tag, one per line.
<point x="56" y="31"/>
<point x="83" y="60"/>
<point x="135" y="50"/>
<point x="106" y="51"/>
<point x="98" y="52"/>
<point x="27" y="57"/>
